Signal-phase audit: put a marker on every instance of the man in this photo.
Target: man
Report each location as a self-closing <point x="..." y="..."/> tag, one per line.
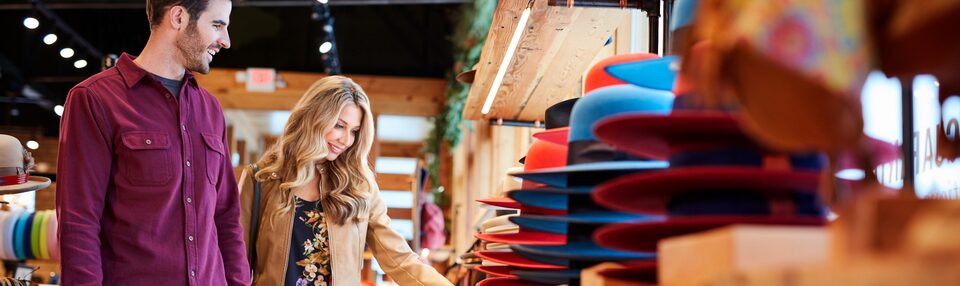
<point x="146" y="192"/>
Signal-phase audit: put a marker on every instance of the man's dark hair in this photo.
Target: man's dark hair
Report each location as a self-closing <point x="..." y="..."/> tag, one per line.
<point x="156" y="9"/>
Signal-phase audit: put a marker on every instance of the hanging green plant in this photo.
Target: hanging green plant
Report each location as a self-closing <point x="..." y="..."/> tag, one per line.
<point x="468" y="39"/>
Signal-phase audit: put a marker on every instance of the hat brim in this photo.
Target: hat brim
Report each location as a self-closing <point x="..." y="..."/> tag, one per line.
<point x="33" y="183"/>
<point x="649" y="193"/>
<point x="558" y="176"/>
<point x="502" y="202"/>
<point x="548" y="197"/>
<point x="659" y="73"/>
<point x="467" y="76"/>
<point x="504" y="281"/>
<point x="524" y="237"/>
<point x="643" y="237"/>
<point x="656" y="136"/>
<point x="510" y="204"/>
<point x="512" y="259"/>
<point x="581" y="251"/>
<point x="638" y="270"/>
<point x="559" y="224"/>
<point x="499" y="271"/>
<point x="563" y="276"/>
<point x="558" y="135"/>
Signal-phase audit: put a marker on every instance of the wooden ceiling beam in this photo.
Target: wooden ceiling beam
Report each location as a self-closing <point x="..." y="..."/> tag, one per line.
<point x="388" y="94"/>
<point x="400" y="149"/>
<point x="395" y="182"/>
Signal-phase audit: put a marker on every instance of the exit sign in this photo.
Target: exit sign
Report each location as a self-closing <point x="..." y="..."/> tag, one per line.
<point x="261" y="79"/>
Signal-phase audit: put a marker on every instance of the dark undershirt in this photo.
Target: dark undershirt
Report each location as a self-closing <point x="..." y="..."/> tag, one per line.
<point x="172" y="85"/>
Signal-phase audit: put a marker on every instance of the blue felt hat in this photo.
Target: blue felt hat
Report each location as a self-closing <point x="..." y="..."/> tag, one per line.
<point x="578" y="255"/>
<point x="590" y="161"/>
<point x="684" y="12"/>
<point x="658" y="74"/>
<point x="565" y="224"/>
<point x="563" y="276"/>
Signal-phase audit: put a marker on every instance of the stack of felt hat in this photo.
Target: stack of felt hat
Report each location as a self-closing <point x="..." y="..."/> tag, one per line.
<point x="28" y="235"/>
<point x="556" y="246"/>
<point x="498" y="260"/>
<point x="717" y="176"/>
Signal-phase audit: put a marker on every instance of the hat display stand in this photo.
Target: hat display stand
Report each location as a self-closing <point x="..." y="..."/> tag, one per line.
<point x="24" y="235"/>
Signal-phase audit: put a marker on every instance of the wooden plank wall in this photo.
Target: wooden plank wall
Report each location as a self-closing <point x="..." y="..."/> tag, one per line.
<point x="480" y="165"/>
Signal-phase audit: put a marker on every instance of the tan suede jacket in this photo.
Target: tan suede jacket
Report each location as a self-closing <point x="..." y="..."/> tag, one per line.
<point x="346" y="241"/>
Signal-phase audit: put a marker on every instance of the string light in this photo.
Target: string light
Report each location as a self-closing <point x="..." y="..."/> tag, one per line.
<point x="50" y="38"/>
<point x="325" y="47"/>
<point x="58" y="109"/>
<point x="31" y="23"/>
<point x="66" y="53"/>
<point x="33" y="145"/>
<point x="80" y="64"/>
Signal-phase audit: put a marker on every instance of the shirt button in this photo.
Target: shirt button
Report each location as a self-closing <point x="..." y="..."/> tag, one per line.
<point x="188" y="163"/>
<point x="190" y="237"/>
<point x="193" y="273"/>
<point x="148" y="142"/>
<point x="183" y="127"/>
<point x="189" y="200"/>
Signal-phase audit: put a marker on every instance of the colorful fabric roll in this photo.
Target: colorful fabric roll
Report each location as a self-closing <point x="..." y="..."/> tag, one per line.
<point x="53" y="241"/>
<point x="18" y="236"/>
<point x="42" y="240"/>
<point x="26" y="234"/>
<point x="35" y="234"/>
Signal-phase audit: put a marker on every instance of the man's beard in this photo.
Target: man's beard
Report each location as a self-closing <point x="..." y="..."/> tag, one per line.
<point x="192" y="51"/>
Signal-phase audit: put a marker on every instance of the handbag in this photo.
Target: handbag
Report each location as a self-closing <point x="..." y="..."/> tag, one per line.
<point x="254" y="221"/>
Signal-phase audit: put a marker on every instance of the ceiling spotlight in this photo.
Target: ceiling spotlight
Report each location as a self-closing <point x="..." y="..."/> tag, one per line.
<point x="326" y="47"/>
<point x="58" y="109"/>
<point x="322" y="1"/>
<point x="33" y="145"/>
<point x="31" y="23"/>
<point x="80" y="64"/>
<point x="66" y="53"/>
<point x="50" y="38"/>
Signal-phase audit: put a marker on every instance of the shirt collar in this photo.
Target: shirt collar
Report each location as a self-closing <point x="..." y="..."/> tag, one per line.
<point x="132" y="73"/>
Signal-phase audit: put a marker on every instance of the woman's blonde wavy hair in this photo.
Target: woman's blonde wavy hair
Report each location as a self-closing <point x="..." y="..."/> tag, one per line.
<point x="346" y="181"/>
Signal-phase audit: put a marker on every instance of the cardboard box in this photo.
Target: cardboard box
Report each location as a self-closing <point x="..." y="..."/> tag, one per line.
<point x="699" y="258"/>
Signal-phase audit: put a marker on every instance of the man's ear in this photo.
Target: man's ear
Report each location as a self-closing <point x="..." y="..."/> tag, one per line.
<point x="178" y="17"/>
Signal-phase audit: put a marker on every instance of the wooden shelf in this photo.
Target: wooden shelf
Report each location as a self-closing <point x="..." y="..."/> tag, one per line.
<point x="557" y="46"/>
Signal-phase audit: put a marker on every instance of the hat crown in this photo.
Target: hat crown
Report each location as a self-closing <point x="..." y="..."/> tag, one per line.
<point x="558" y="115"/>
<point x="11" y="152"/>
<point x="613" y="100"/>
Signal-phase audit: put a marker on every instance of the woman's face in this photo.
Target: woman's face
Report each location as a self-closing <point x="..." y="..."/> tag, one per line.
<point x="344" y="131"/>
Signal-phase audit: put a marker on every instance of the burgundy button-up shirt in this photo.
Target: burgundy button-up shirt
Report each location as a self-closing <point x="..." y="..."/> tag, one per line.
<point x="146" y="193"/>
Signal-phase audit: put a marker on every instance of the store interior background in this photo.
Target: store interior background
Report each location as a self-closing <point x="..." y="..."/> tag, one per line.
<point x="407" y="42"/>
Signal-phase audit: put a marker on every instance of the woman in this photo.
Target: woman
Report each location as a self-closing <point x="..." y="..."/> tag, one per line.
<point x="319" y="202"/>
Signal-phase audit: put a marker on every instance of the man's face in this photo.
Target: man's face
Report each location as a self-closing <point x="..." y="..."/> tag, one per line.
<point x="204" y="37"/>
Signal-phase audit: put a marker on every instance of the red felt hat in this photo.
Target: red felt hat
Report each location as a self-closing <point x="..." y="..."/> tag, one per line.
<point x="499" y="271"/>
<point x="656" y="136"/>
<point x="524" y="236"/>
<point x="643" y="237"/>
<point x="512" y="204"/>
<point x="555" y="135"/>
<point x="504" y="281"/>
<point x="544" y="155"/>
<point x="598" y="76"/>
<point x="649" y="193"/>
<point x="513" y="259"/>
<point x="638" y="271"/>
<point x="501" y="202"/>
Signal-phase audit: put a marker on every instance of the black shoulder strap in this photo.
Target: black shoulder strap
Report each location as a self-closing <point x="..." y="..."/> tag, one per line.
<point x="254" y="220"/>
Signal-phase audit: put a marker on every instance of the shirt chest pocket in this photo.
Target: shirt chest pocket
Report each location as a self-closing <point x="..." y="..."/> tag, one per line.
<point x="146" y="160"/>
<point x="214" y="154"/>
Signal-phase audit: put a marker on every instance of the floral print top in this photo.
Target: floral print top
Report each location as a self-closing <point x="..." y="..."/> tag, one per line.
<point x="309" y="263"/>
